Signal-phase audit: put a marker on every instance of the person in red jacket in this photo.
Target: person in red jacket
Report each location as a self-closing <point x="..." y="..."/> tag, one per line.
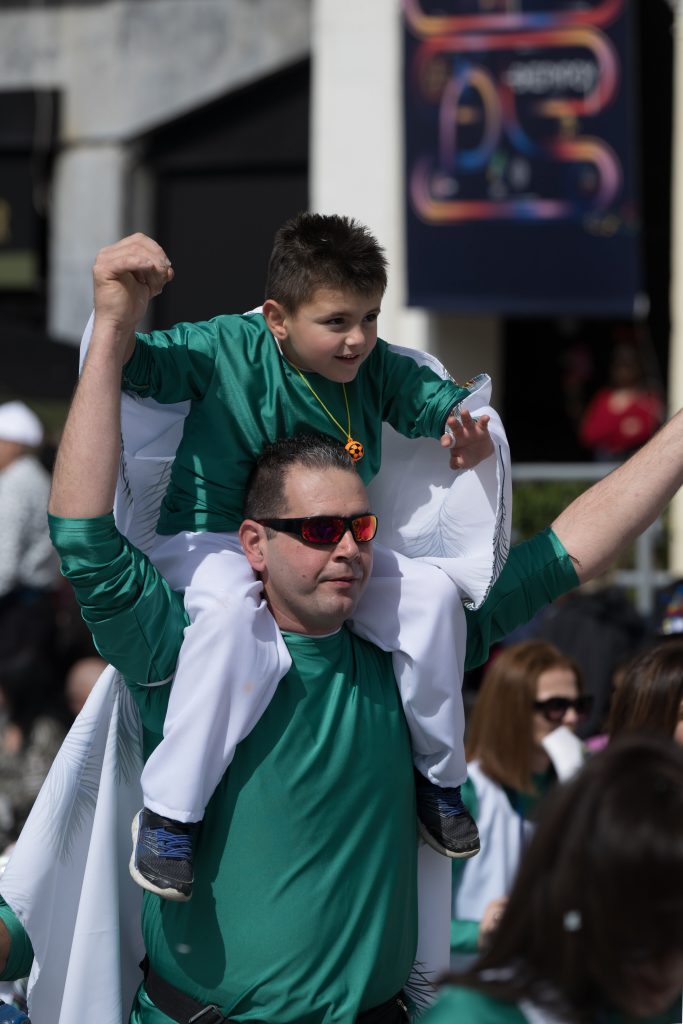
<point x="625" y="414"/>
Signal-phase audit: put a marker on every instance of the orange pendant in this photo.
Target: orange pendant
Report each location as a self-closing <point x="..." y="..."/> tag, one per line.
<point x="355" y="449"/>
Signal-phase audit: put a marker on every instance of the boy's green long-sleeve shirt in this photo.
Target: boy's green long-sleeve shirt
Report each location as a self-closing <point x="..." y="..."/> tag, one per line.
<point x="244" y="394"/>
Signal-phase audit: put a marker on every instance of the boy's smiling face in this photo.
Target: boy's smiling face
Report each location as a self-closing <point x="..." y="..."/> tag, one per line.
<point x="332" y="334"/>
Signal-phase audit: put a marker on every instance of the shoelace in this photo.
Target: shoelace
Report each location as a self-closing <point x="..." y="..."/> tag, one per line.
<point x="445" y="807"/>
<point x="448" y="811"/>
<point x="168" y="844"/>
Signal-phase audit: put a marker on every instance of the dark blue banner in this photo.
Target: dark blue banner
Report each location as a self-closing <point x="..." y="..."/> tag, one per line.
<point x="521" y="166"/>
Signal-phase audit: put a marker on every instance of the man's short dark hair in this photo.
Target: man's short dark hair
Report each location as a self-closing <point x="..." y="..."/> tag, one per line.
<point x="265" y="490"/>
<point x="313" y="251"/>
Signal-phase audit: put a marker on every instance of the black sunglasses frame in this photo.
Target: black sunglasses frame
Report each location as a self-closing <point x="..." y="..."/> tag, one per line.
<point x="297" y="526"/>
<point x="582" y="705"/>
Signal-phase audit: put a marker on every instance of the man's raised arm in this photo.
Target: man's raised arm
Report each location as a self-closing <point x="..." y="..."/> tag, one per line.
<point x="136" y="621"/>
<point x="583" y="542"/>
<point x="615" y="510"/>
<point x="125" y="276"/>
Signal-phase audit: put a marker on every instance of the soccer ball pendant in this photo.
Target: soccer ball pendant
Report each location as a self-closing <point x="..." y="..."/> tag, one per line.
<point x="355" y="449"/>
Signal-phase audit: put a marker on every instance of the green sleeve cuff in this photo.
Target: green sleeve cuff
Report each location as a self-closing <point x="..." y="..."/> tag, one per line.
<point x="21" y="951"/>
<point x="464" y="937"/>
<point x="135" y="375"/>
<point x="536" y="572"/>
<point x="457" y="395"/>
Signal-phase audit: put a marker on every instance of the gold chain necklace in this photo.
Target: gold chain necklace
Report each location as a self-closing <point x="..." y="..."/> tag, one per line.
<point x="354" y="448"/>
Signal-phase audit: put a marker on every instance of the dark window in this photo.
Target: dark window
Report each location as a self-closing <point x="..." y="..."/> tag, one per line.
<point x="226" y="177"/>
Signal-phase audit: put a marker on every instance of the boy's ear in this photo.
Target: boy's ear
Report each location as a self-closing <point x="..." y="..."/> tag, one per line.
<point x="276" y="318"/>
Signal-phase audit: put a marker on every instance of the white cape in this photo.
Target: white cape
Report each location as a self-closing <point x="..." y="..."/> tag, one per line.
<point x="68" y="878"/>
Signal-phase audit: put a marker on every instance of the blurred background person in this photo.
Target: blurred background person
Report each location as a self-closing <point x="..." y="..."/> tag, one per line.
<point x="32" y="727"/>
<point x="593" y="930"/>
<point x="530" y="690"/>
<point x="601" y="629"/>
<point x="649" y="696"/>
<point x="625" y="414"/>
<point x="80" y="680"/>
<point x="30" y="734"/>
<point x="28" y="563"/>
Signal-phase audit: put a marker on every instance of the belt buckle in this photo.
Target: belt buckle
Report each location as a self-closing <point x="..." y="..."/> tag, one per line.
<point x="211" y="1008"/>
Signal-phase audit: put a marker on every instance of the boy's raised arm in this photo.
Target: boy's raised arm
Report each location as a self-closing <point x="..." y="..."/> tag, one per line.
<point x="126" y="276"/>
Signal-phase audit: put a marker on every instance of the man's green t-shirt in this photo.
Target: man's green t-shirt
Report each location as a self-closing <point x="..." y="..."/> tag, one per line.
<point x="304" y="904"/>
<point x="244" y="394"/>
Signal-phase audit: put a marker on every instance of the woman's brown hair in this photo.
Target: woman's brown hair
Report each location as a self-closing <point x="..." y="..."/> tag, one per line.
<point x="648" y="698"/>
<point x="499" y="732"/>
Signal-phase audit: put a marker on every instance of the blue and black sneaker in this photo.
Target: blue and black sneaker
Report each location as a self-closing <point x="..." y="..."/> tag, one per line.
<point x="445" y="823"/>
<point x="161" y="860"/>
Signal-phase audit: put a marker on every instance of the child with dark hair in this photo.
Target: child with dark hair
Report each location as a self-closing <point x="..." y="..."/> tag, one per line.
<point x="309" y="361"/>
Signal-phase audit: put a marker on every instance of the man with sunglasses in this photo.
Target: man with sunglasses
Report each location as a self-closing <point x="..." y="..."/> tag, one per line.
<point x="304" y="903"/>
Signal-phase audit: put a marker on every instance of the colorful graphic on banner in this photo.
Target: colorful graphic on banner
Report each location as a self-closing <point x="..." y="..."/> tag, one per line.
<point x="520" y="146"/>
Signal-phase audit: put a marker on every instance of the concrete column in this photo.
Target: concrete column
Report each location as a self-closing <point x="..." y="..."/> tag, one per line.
<point x="88" y="212"/>
<point x="357" y="137"/>
<point x="357" y="166"/>
<point x="676" y="300"/>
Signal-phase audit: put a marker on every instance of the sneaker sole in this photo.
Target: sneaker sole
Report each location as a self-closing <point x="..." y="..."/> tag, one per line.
<point x="443" y="850"/>
<point x="144" y="883"/>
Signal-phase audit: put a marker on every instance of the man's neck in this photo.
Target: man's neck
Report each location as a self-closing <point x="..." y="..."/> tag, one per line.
<point x="313" y="636"/>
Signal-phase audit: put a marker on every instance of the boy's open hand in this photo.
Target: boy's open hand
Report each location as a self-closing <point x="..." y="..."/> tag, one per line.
<point x="472" y="442"/>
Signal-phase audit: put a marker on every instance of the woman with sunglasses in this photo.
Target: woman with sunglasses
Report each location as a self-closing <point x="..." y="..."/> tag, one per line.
<point x="530" y="690"/>
<point x="593" y="929"/>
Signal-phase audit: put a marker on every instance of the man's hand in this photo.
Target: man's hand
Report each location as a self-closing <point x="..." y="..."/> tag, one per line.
<point x="471" y="442"/>
<point x="126" y="276"/>
<point x="490" y="920"/>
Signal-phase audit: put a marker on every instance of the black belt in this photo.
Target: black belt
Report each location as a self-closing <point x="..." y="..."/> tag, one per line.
<point x="185" y="1010"/>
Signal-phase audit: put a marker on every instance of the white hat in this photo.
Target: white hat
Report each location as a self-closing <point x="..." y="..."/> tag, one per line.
<point x="18" y="423"/>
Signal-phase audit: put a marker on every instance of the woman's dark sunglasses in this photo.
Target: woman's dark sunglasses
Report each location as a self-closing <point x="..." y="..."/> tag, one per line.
<point x="326" y="529"/>
<point x="555" y="708"/>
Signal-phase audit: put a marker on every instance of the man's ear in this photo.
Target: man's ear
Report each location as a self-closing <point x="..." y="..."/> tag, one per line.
<point x="276" y="318"/>
<point x="253" y="540"/>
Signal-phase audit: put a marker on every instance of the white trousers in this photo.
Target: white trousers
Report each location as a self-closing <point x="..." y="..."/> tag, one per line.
<point x="233" y="657"/>
<point x="452" y="530"/>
